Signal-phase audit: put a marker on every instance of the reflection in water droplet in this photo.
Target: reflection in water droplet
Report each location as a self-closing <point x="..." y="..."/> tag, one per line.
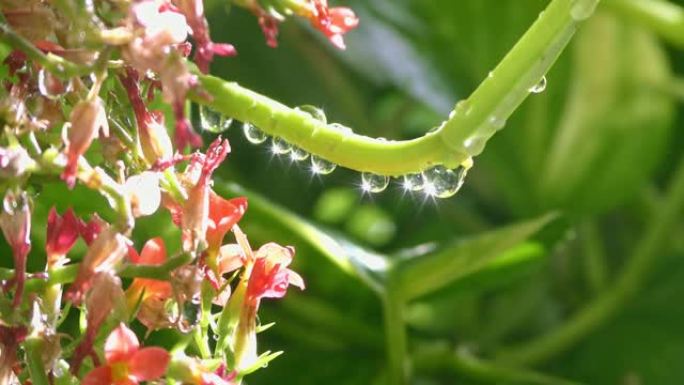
<point x="374" y="183"/>
<point x="297" y="154"/>
<point x="475" y="145"/>
<point x="441" y="182"/>
<point x="315" y="112"/>
<point x="341" y="128"/>
<point x="321" y="166"/>
<point x="414" y="182"/>
<point x="279" y="146"/>
<point x="497" y="122"/>
<point x="539" y="87"/>
<point x="253" y="134"/>
<point x="582" y="9"/>
<point x="50" y="86"/>
<point x="213" y="121"/>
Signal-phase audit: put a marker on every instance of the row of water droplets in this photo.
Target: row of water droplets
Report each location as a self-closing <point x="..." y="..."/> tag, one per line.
<point x="438" y="181"/>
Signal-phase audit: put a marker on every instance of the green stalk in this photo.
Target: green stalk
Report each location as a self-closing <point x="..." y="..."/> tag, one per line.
<point x="663" y="17"/>
<point x="607" y="304"/>
<point x="462" y="136"/>
<point x="398" y="366"/>
<point x="34" y="347"/>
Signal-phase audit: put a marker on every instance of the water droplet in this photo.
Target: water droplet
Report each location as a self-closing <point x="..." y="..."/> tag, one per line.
<point x="374" y="183"/>
<point x="253" y="134"/>
<point x="315" y="112"/>
<point x="582" y="9"/>
<point x="215" y="337"/>
<point x="441" y="182"/>
<point x="279" y="146"/>
<point x="474" y="145"/>
<point x="297" y="154"/>
<point x="213" y="121"/>
<point x="50" y="86"/>
<point x="497" y="122"/>
<point x="341" y="128"/>
<point x="414" y="182"/>
<point x="321" y="166"/>
<point x="539" y="87"/>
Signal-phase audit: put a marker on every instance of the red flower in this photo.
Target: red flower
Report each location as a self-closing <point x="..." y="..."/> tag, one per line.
<point x="195" y="214"/>
<point x="223" y="215"/>
<point x="150" y="292"/>
<point x="333" y="22"/>
<point x="126" y="363"/>
<point x="270" y="276"/>
<point x="269" y="26"/>
<point x="91" y="229"/>
<point x="15" y="221"/>
<point x="62" y="233"/>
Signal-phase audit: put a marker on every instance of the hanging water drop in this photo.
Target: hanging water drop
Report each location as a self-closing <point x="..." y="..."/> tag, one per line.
<point x="321" y="166"/>
<point x="279" y="146"/>
<point x="315" y="112"/>
<point x="213" y="121"/>
<point x="444" y="183"/>
<point x="50" y="86"/>
<point x="582" y="9"/>
<point x="539" y="87"/>
<point x="297" y="154"/>
<point x="414" y="182"/>
<point x="253" y="134"/>
<point x="374" y="183"/>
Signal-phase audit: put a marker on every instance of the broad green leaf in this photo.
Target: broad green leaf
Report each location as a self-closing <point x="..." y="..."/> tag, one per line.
<point x="422" y="275"/>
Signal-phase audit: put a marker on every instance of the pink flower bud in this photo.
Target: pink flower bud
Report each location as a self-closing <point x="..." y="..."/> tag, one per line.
<point x="62" y="233"/>
<point x="15" y="221"/>
<point x="87" y="118"/>
<point x="105" y="252"/>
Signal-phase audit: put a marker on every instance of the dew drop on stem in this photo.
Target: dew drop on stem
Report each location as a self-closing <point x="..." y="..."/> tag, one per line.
<point x="414" y="182"/>
<point x="374" y="183"/>
<point x="582" y="9"/>
<point x="279" y="146"/>
<point x="253" y="134"/>
<point x="539" y="87"/>
<point x="213" y="121"/>
<point x="315" y="112"/>
<point x="321" y="166"/>
<point x="297" y="154"/>
<point x="441" y="182"/>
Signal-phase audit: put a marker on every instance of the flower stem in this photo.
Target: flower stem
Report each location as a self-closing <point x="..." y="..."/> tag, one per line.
<point x="398" y="365"/>
<point x="34" y="348"/>
<point x="610" y="301"/>
<point x="473" y="121"/>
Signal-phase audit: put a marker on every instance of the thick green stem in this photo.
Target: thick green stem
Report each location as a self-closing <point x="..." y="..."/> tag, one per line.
<point x="611" y="300"/>
<point x="398" y="365"/>
<point x="34" y="348"/>
<point x="663" y="17"/>
<point x="462" y="136"/>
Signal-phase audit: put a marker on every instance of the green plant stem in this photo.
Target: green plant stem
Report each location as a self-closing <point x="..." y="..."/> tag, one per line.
<point x="398" y="366"/>
<point x="460" y="137"/>
<point x="608" y="303"/>
<point x="53" y="63"/>
<point x="442" y="359"/>
<point x="67" y="274"/>
<point x="595" y="264"/>
<point x="663" y="17"/>
<point x="34" y="347"/>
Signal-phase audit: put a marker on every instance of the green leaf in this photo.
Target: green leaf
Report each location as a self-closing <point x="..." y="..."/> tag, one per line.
<point x="419" y="276"/>
<point x="616" y="122"/>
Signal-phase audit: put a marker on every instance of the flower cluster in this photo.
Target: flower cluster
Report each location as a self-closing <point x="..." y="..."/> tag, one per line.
<point x="75" y="107"/>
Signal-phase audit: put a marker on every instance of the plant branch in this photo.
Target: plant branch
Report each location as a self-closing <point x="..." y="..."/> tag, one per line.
<point x="607" y="304"/>
<point x="34" y="348"/>
<point x="462" y="136"/>
<point x="398" y="365"/>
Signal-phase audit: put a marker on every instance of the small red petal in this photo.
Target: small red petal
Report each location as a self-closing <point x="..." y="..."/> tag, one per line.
<point x="121" y="344"/>
<point x="98" y="376"/>
<point x="149" y="363"/>
<point x="153" y="253"/>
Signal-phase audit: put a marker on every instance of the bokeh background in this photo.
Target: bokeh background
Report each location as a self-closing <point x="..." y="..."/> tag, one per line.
<point x="598" y="146"/>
